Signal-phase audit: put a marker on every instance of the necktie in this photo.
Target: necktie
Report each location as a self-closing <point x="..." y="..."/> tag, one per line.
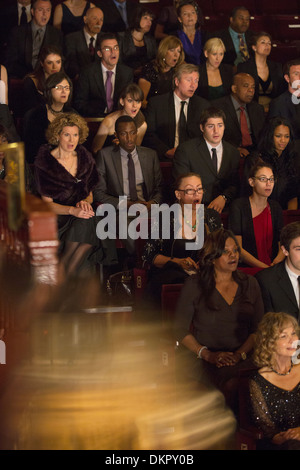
<point x="92" y="48"/>
<point x="108" y="90"/>
<point x="214" y="159"/>
<point x="243" y="48"/>
<point x="131" y="179"/>
<point x="23" y="18"/>
<point x="182" y="124"/>
<point x="246" y="137"/>
<point x="123" y="13"/>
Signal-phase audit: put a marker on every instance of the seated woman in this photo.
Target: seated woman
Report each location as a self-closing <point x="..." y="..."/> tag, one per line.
<point x="130" y="100"/>
<point x="173" y="259"/>
<point x="167" y="21"/>
<point x="157" y="75"/>
<point x="66" y="175"/>
<point x="3" y="85"/>
<point x="217" y="315"/>
<point x="190" y="33"/>
<point x="278" y="148"/>
<point x="58" y="96"/>
<point x="137" y="45"/>
<point x="275" y="387"/>
<point x="68" y="15"/>
<point x="268" y="75"/>
<point x="215" y="78"/>
<point x="257" y="220"/>
<point x="50" y="61"/>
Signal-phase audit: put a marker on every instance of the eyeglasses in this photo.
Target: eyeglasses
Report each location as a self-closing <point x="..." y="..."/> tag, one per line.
<point x="61" y="87"/>
<point x="109" y="49"/>
<point x="264" y="179"/>
<point x="192" y="192"/>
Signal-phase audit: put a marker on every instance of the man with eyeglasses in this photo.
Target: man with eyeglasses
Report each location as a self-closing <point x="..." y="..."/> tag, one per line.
<point x="214" y="159"/>
<point x="100" y="83"/>
<point x="26" y="41"/>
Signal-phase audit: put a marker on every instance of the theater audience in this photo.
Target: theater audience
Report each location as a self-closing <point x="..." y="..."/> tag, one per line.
<point x="137" y="44"/>
<point x="14" y="13"/>
<point x="58" y="98"/>
<point x="100" y="83"/>
<point x="257" y="221"/>
<point x="167" y="21"/>
<point x="275" y="387"/>
<point x="268" y="75"/>
<point x="26" y="41"/>
<point x="190" y="34"/>
<point x="131" y="98"/>
<point x="66" y="175"/>
<point x="157" y="76"/>
<point x="118" y="14"/>
<point x="68" y="15"/>
<point x="215" y="78"/>
<point x="217" y="316"/>
<point x="278" y="148"/>
<point x="50" y="61"/>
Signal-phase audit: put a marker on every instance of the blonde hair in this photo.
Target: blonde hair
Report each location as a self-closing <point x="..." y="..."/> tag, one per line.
<point x="213" y="45"/>
<point x="63" y="120"/>
<point x="267" y="334"/>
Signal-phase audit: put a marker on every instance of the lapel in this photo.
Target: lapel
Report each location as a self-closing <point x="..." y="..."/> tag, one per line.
<point x="170" y="113"/>
<point x="145" y="171"/>
<point x="206" y="157"/>
<point x="117" y="166"/>
<point x="285" y="283"/>
<point x="231" y="112"/>
<point x="98" y="77"/>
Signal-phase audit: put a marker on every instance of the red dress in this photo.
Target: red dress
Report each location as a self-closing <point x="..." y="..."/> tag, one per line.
<point x="263" y="231"/>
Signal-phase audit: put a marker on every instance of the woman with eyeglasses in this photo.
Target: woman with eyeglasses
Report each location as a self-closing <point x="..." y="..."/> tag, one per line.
<point x="257" y="220"/>
<point x="173" y="258"/>
<point x="58" y="97"/>
<point x="216" y="317"/>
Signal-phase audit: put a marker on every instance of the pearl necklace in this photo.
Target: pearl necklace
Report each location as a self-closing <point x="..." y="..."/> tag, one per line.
<point x="286" y="373"/>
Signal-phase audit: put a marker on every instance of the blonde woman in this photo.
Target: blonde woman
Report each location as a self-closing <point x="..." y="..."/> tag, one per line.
<point x="215" y="77"/>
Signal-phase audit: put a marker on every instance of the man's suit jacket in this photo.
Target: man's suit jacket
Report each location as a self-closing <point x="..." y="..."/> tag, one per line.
<point x="9" y="18"/>
<point x="276" y="76"/>
<point x="113" y="22"/>
<point x="193" y="156"/>
<point x="76" y="52"/>
<point x="89" y="96"/>
<point x="110" y="187"/>
<point x="161" y="125"/>
<point x="277" y="290"/>
<point x="232" y="132"/>
<point x="19" y="50"/>
<point x="230" y="53"/>
<point x="284" y="107"/>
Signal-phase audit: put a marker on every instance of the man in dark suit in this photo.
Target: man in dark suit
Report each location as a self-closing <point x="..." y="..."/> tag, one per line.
<point x="112" y="165"/>
<point x="286" y="105"/>
<point x="232" y="36"/>
<point x="279" y="284"/>
<point x="214" y="159"/>
<point x="163" y="113"/>
<point x="26" y="40"/>
<point x="80" y="47"/>
<point x="90" y="98"/>
<point x="18" y="12"/>
<point x="118" y="14"/>
<point x="245" y="118"/>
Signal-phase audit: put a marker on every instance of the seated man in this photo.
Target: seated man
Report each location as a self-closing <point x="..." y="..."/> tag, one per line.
<point x="118" y="14"/>
<point x="245" y="118"/>
<point x="99" y="84"/>
<point x="80" y="46"/>
<point x="27" y="40"/>
<point x="280" y="284"/>
<point x="214" y="159"/>
<point x="286" y="105"/>
<point x="163" y="113"/>
<point x="113" y="165"/>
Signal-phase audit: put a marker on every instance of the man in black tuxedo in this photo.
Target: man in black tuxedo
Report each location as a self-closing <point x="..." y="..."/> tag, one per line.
<point x="279" y="284"/>
<point x="90" y="97"/>
<point x="16" y="13"/>
<point x="26" y="41"/>
<point x="80" y="47"/>
<point x="118" y="14"/>
<point x="286" y="105"/>
<point x="239" y="22"/>
<point x="245" y="118"/>
<point x="163" y="113"/>
<point x="214" y="159"/>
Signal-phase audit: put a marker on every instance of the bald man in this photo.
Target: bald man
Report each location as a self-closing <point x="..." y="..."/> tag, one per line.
<point x="245" y="118"/>
<point x="77" y="50"/>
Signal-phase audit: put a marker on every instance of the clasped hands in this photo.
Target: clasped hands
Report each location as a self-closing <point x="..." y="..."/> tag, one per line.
<point x="221" y="358"/>
<point x="83" y="210"/>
